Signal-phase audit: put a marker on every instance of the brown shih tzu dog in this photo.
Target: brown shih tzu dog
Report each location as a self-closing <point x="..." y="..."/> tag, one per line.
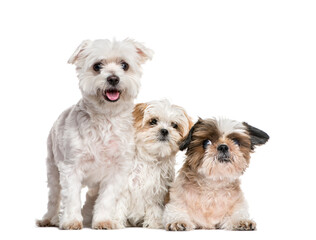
<point x="206" y="193"/>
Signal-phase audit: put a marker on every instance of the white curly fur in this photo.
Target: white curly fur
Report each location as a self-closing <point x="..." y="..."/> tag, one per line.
<point x="92" y="143"/>
<point x="154" y="161"/>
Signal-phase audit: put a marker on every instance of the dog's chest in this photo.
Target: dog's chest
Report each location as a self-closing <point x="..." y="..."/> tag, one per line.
<point x="208" y="208"/>
<point x="146" y="178"/>
<point x="104" y="145"/>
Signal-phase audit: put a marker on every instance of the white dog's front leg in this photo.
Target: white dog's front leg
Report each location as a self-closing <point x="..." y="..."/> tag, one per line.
<point x="239" y="220"/>
<point x="110" y="207"/>
<point x="71" y="218"/>
<point x="153" y="216"/>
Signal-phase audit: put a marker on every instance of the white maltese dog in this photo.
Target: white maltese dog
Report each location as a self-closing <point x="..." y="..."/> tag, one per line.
<point x="92" y="143"/>
<point x="159" y="126"/>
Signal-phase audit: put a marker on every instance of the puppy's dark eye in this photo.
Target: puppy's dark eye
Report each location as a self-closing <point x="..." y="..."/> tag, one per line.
<point x="97" y="66"/>
<point x="236" y="141"/>
<point x="174" y="125"/>
<point x="206" y="143"/>
<point x="124" y="65"/>
<point x="153" y="122"/>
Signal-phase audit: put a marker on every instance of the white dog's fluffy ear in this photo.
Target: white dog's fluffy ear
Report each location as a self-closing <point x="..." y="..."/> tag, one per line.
<point x="74" y="57"/>
<point x="143" y="52"/>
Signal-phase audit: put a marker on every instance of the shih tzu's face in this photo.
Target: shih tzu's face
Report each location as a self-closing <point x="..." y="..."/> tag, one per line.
<point x="109" y="72"/>
<point x="221" y="148"/>
<point x="159" y="127"/>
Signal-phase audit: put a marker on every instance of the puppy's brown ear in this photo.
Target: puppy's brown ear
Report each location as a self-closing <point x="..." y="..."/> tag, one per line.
<point x="187" y="125"/>
<point x="76" y="55"/>
<point x="187" y="140"/>
<point x="257" y="136"/>
<point x="138" y="114"/>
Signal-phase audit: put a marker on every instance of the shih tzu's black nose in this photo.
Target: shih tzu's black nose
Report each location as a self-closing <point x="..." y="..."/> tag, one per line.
<point x="164" y="132"/>
<point x="113" y="80"/>
<point x="222" y="148"/>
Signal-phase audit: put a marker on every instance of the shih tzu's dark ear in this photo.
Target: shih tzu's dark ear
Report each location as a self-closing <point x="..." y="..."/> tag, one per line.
<point x="185" y="142"/>
<point x="257" y="136"/>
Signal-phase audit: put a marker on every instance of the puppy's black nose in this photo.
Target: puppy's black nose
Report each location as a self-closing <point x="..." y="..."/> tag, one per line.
<point x="222" y="148"/>
<point x="164" y="132"/>
<point x="113" y="80"/>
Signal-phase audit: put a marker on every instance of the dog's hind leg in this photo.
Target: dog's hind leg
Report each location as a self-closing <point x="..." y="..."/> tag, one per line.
<point x="51" y="218"/>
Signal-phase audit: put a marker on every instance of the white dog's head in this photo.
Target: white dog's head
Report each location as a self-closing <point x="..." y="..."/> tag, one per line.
<point x="109" y="72"/>
<point x="159" y="127"/>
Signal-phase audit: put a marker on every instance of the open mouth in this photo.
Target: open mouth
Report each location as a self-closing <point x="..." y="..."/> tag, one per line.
<point x="224" y="159"/>
<point x="163" y="139"/>
<point x="111" y="95"/>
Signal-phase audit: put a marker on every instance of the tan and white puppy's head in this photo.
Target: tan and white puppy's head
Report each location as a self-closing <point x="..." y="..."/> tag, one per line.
<point x="159" y="127"/>
<point x="109" y="71"/>
<point x="220" y="149"/>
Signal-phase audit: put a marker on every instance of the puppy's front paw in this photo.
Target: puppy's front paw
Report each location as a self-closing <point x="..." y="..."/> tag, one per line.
<point x="46" y="223"/>
<point x="107" y="225"/>
<point x="73" y="225"/>
<point x="245" y="225"/>
<point x="178" y="226"/>
<point x="153" y="225"/>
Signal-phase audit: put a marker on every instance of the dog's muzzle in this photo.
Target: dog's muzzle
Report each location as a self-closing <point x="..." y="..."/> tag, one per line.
<point x="163" y="135"/>
<point x="223" y="153"/>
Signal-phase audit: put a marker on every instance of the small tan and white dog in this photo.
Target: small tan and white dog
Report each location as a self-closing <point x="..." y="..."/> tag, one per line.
<point x="92" y="143"/>
<point x="159" y="126"/>
<point x="206" y="193"/>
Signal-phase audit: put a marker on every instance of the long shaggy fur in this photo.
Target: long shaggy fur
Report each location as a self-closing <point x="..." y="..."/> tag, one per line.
<point x="153" y="170"/>
<point x="206" y="193"/>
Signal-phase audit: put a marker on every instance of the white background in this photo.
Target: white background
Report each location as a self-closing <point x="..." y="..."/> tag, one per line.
<point x="251" y="61"/>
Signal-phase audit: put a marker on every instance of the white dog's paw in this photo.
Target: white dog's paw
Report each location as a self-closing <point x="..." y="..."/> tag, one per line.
<point x="179" y="226"/>
<point x="153" y="224"/>
<point x="72" y="225"/>
<point x="245" y="225"/>
<point x="107" y="224"/>
<point x="46" y="223"/>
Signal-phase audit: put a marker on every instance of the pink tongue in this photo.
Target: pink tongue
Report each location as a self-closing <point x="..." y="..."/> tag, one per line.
<point x="113" y="95"/>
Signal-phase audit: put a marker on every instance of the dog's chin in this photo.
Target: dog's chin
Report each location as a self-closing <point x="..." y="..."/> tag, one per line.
<point x="220" y="167"/>
<point x="161" y="148"/>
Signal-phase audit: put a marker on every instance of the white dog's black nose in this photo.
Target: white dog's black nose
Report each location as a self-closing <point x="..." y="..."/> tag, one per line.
<point x="113" y="80"/>
<point x="222" y="148"/>
<point x="164" y="132"/>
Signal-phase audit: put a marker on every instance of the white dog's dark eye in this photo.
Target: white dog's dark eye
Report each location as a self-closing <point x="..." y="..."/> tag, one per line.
<point x="206" y="143"/>
<point x="125" y="66"/>
<point x="174" y="125"/>
<point x="236" y="141"/>
<point x="153" y="122"/>
<point x="97" y="66"/>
